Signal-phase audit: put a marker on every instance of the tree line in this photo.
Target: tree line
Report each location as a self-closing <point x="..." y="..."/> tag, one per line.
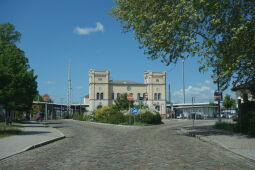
<point x="18" y="85"/>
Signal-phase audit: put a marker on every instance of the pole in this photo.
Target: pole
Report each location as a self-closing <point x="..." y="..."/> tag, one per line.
<point x="183" y="81"/>
<point x="46" y="112"/>
<point x="193" y="111"/>
<point x="129" y="112"/>
<point x="218" y="87"/>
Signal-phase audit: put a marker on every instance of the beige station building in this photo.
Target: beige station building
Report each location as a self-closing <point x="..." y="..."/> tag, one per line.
<point x="103" y="91"/>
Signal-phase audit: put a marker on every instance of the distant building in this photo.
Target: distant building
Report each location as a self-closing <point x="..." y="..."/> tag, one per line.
<point x="241" y="90"/>
<point x="86" y="100"/>
<point x="103" y="91"/>
<point x="202" y="110"/>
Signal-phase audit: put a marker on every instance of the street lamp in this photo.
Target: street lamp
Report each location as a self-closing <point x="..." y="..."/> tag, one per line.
<point x="183" y="83"/>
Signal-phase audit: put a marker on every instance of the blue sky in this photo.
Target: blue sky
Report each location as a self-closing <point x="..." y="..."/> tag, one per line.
<point x="55" y="32"/>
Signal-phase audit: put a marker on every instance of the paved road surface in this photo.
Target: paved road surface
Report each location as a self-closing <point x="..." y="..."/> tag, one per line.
<point x="101" y="146"/>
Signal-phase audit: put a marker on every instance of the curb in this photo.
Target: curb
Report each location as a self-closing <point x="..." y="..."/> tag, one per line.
<point x="205" y="139"/>
<point x="109" y="124"/>
<point x="36" y="146"/>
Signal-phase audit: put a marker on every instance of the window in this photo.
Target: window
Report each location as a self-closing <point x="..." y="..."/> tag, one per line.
<point x="102" y="96"/>
<point x="112" y="96"/>
<point x="155" y="96"/>
<point x="157" y="80"/>
<point x="97" y="96"/>
<point x="159" y="96"/>
<point x="138" y="96"/>
<point x="99" y="79"/>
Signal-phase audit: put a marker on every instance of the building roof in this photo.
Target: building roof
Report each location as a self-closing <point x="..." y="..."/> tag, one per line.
<point x="124" y="82"/>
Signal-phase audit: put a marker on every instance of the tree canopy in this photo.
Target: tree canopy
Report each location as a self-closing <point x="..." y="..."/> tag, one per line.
<point x="18" y="85"/>
<point x="220" y="32"/>
<point x="228" y="102"/>
<point x="122" y="103"/>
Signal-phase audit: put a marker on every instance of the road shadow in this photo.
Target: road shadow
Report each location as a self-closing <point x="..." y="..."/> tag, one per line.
<point x="208" y="130"/>
<point x="33" y="132"/>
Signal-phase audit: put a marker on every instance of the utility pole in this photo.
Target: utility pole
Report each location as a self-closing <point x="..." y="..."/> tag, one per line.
<point x="169" y="99"/>
<point x="183" y="82"/>
<point x="218" y="87"/>
<point x="69" y="90"/>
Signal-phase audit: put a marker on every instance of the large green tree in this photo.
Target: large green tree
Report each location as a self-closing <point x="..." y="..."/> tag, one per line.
<point x="220" y="32"/>
<point x="228" y="102"/>
<point x="18" y="85"/>
<point x="122" y="103"/>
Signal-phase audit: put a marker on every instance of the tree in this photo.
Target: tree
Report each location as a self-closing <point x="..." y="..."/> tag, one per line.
<point x="122" y="103"/>
<point x="228" y="102"/>
<point x="220" y="32"/>
<point x="18" y="83"/>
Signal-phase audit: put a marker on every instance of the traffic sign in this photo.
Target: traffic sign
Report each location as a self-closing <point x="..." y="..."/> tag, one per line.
<point x="218" y="95"/>
<point x="130" y="97"/>
<point x="146" y="95"/>
<point x="46" y="98"/>
<point x="134" y="110"/>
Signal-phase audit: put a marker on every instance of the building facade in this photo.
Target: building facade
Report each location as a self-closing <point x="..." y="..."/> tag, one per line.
<point x="103" y="91"/>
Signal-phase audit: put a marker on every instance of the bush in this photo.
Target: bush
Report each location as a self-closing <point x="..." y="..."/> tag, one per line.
<point x="116" y="118"/>
<point x="103" y="114"/>
<point x="246" y="117"/>
<point x="111" y="114"/>
<point x="66" y="116"/>
<point x="149" y="118"/>
<point x="234" y="118"/>
<point x="226" y="126"/>
<point x="81" y="117"/>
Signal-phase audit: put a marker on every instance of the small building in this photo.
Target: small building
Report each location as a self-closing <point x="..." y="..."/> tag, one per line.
<point x="242" y="90"/>
<point x="86" y="100"/>
<point x="202" y="110"/>
<point x="103" y="91"/>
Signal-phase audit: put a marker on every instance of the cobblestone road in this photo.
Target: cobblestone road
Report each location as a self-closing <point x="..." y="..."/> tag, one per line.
<point x="101" y="146"/>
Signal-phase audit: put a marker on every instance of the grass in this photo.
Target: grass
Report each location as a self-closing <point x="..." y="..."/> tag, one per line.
<point x="6" y="130"/>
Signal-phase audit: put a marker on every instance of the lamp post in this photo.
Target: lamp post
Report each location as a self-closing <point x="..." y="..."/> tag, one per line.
<point x="183" y="83"/>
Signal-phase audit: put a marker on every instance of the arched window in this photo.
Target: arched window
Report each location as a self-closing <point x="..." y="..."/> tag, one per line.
<point x="138" y="96"/>
<point x="97" y="96"/>
<point x="159" y="96"/>
<point x="102" y="96"/>
<point x="155" y="96"/>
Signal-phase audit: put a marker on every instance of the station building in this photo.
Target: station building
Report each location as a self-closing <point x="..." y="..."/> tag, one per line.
<point x="103" y="91"/>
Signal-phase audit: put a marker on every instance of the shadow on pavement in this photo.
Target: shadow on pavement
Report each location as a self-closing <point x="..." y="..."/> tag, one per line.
<point x="33" y="132"/>
<point x="208" y="130"/>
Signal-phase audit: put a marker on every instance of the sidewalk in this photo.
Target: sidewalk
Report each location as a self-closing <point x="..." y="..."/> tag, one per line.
<point x="236" y="143"/>
<point x="33" y="135"/>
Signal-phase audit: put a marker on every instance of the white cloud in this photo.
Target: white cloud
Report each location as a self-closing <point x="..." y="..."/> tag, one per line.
<point x="203" y="92"/>
<point x="79" y="87"/>
<point x="48" y="82"/>
<point x="87" y="30"/>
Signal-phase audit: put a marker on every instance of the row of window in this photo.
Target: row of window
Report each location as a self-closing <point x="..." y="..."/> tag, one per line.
<point x="137" y="97"/>
<point x="100" y="96"/>
<point x="157" y="96"/>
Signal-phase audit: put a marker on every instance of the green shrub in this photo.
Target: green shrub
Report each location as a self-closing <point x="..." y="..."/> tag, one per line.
<point x="226" y="126"/>
<point x="66" y="116"/>
<point x="81" y="117"/>
<point x="111" y="114"/>
<point x="252" y="124"/>
<point x="103" y="114"/>
<point x="116" y="118"/>
<point x="234" y="118"/>
<point x="149" y="118"/>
